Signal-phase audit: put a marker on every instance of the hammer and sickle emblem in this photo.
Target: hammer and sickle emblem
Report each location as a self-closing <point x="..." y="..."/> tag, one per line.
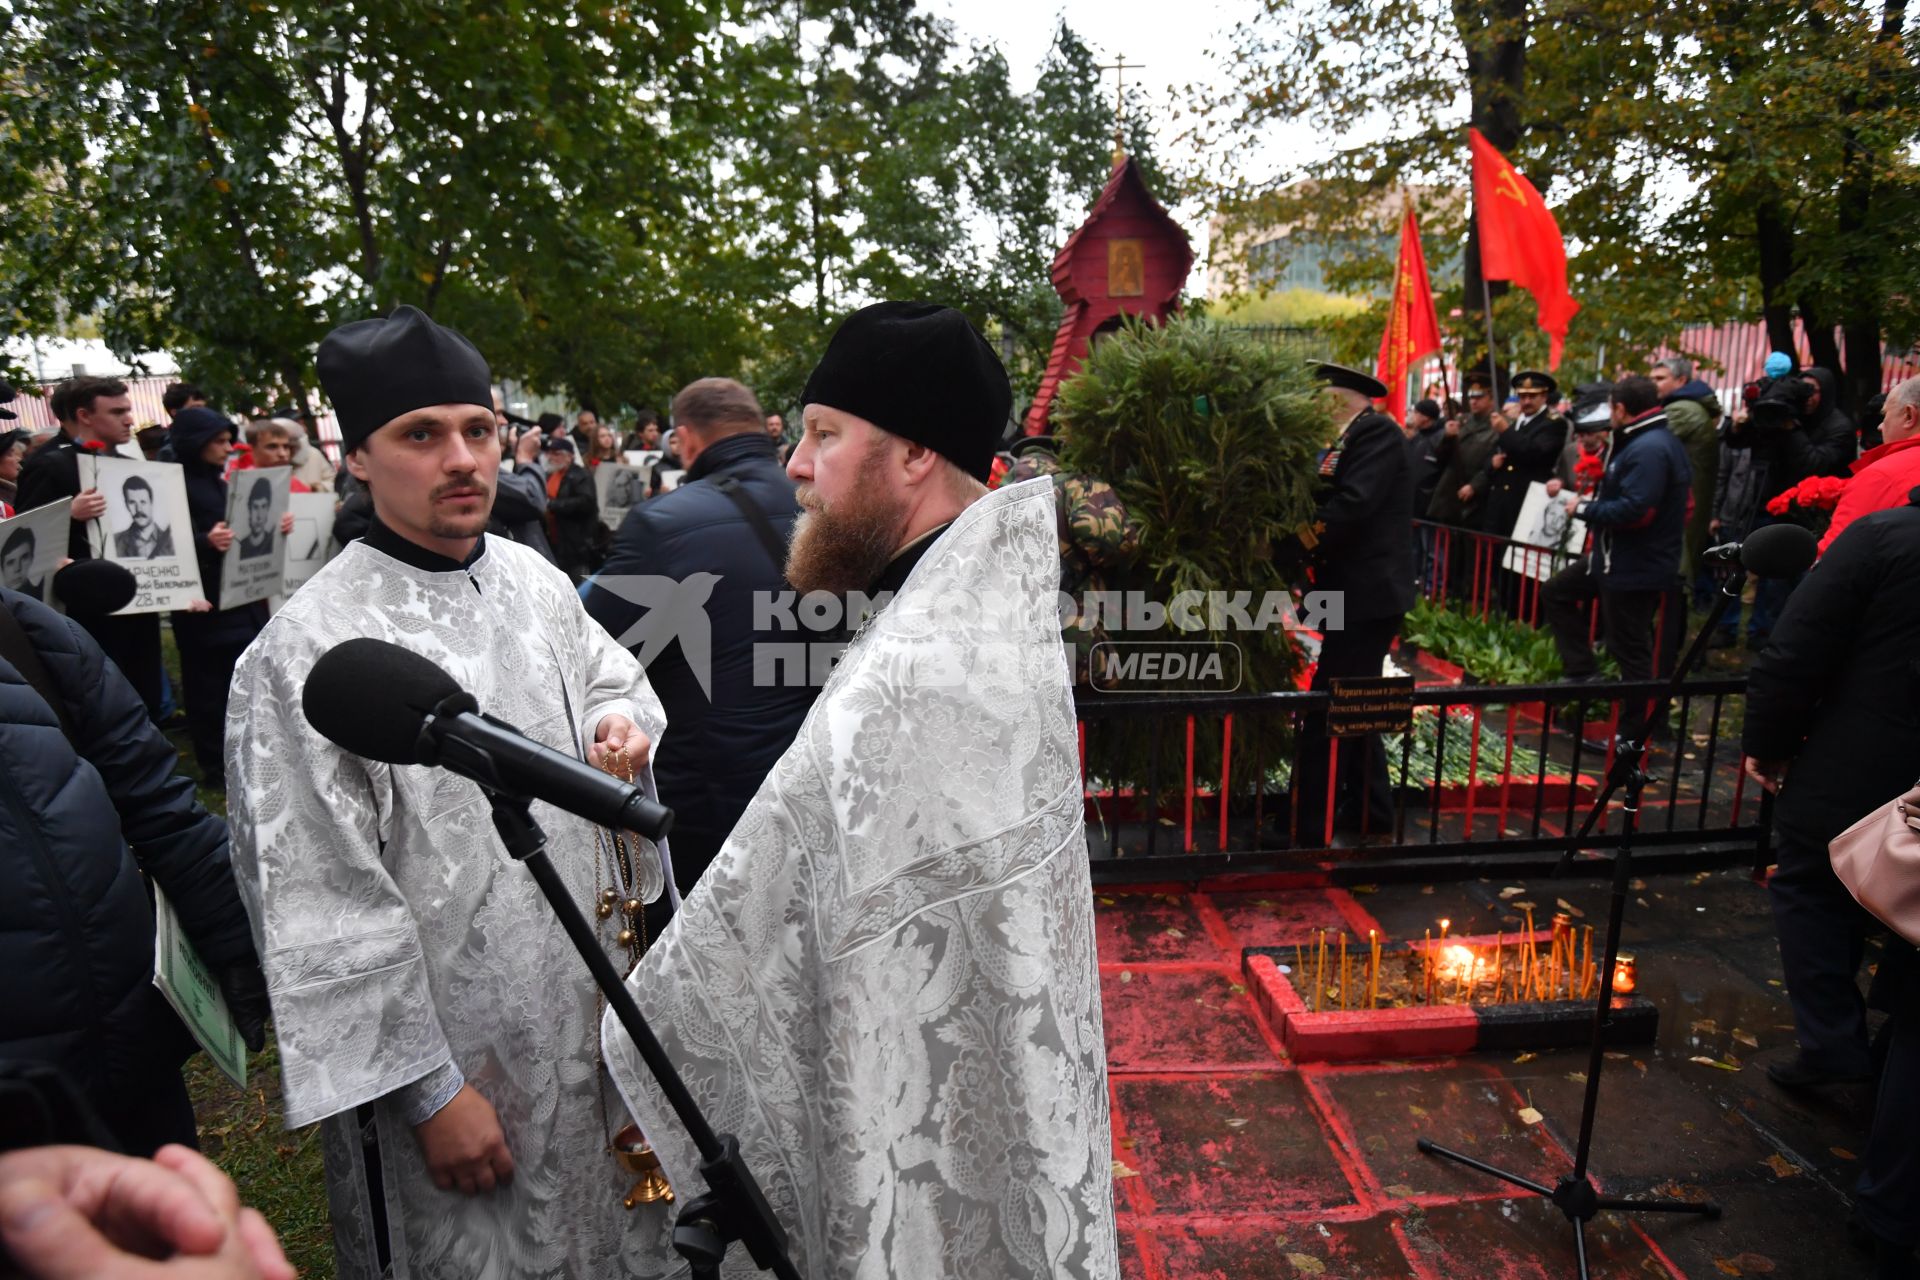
<point x="1508" y="185"/>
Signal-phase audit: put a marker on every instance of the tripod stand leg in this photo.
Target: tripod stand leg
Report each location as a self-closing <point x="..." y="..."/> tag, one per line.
<point x="1433" y="1148"/>
<point x="1580" y="1245"/>
<point x="1706" y="1208"/>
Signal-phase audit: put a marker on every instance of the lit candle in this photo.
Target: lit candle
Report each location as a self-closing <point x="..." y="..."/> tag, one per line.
<point x="1426" y="965"/>
<point x="1444" y="926"/>
<point x="1623" y="976"/>
<point x="1499" y="963"/>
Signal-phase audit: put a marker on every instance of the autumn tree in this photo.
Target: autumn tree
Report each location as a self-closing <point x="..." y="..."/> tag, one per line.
<point x="1726" y="160"/>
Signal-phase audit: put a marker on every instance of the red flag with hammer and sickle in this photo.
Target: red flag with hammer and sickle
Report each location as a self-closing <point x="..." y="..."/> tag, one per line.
<point x="1413" y="327"/>
<point x="1520" y="240"/>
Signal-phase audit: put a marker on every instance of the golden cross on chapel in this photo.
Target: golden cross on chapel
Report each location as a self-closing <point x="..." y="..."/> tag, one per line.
<point x="1120" y="67"/>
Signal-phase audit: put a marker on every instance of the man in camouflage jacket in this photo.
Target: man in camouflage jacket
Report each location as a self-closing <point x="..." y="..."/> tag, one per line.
<point x="1097" y="537"/>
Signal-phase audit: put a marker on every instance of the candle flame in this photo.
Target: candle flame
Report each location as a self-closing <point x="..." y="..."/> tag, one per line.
<point x="1456" y="963"/>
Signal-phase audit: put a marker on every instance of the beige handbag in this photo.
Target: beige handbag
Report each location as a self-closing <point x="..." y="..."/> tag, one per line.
<point x="1878" y="859"/>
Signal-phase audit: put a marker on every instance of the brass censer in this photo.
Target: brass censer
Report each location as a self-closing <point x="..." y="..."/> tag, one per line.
<point x="636" y="1156"/>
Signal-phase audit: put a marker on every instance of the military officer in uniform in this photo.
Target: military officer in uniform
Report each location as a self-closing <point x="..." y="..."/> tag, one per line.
<point x="1366" y="554"/>
<point x="1527" y="450"/>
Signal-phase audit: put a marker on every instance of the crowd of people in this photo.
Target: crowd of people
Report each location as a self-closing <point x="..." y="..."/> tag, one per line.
<point x="428" y="1010"/>
<point x="1657" y="470"/>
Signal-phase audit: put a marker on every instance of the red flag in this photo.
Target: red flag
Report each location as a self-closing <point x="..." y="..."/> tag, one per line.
<point x="1520" y="241"/>
<point x="1413" y="327"/>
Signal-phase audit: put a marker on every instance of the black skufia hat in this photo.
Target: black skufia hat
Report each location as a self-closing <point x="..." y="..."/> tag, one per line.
<point x="376" y="370"/>
<point x="919" y="371"/>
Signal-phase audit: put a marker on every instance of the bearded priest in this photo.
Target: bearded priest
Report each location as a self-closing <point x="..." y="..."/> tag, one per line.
<point x="885" y="985"/>
<point x="431" y="1012"/>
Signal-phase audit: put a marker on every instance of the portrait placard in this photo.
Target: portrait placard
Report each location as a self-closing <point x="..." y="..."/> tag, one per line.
<point x="32" y="544"/>
<point x="619" y="488"/>
<point x="1545" y="524"/>
<point x="312" y="535"/>
<point x="256" y="562"/>
<point x="147" y="528"/>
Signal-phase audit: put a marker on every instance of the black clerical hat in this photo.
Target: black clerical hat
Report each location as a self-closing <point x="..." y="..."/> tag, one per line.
<point x="376" y="370"/>
<point x="919" y="371"/>
<point x="1338" y="375"/>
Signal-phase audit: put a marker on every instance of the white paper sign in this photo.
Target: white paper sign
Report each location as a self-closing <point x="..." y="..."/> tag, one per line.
<point x="1545" y="523"/>
<point x="312" y="534"/>
<point x="619" y="489"/>
<point x="642" y="458"/>
<point x="147" y="528"/>
<point x="32" y="545"/>
<point x="256" y="562"/>
<point x="670" y="480"/>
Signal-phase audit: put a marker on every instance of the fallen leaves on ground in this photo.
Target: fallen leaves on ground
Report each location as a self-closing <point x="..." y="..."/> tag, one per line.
<point x="1306" y="1264"/>
<point x="1120" y="1170"/>
<point x="1570" y="909"/>
<point x="1781" y="1166"/>
<point x="1511" y="891"/>
<point x="1714" y="1062"/>
<point x="1529" y="1115"/>
<point x="1526" y="1057"/>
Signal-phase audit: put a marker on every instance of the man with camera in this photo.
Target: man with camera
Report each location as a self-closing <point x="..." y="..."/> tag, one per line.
<point x="1795" y="429"/>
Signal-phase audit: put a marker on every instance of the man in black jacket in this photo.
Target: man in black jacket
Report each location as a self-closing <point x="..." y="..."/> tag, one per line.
<point x="723" y="531"/>
<point x="573" y="510"/>
<point x="1639" y="523"/>
<point x="1526" y="451"/>
<point x="95" y="413"/>
<point x="1831" y="721"/>
<point x="1366" y="554"/>
<point x="1831" y="728"/>
<point x="90" y="799"/>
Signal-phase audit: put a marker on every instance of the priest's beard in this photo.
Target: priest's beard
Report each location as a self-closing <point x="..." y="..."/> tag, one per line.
<point x="843" y="548"/>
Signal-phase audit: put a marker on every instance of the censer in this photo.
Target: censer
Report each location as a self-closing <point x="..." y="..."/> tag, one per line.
<point x="636" y="1156"/>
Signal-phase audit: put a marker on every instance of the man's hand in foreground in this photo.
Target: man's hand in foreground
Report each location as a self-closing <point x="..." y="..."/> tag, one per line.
<point x="82" y="1212"/>
<point x="464" y="1145"/>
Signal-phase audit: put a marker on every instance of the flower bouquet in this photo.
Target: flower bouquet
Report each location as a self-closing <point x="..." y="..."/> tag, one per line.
<point x="1809" y="503"/>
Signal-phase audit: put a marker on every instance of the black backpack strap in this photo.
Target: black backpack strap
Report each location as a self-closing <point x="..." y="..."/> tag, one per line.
<point x="17" y="648"/>
<point x="769" y="536"/>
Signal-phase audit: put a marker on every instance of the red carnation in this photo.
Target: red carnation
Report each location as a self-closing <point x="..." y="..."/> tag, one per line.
<point x="94" y="446"/>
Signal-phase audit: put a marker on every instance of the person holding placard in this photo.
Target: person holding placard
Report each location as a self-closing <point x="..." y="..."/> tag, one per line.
<point x="211" y="640"/>
<point x="95" y="415"/>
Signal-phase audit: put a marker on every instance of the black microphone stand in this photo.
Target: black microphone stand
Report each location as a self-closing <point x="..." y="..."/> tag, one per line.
<point x="733" y="1208"/>
<point x="1575" y="1195"/>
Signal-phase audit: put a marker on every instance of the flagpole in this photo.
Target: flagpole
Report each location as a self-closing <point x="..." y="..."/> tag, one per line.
<point x="1493" y="361"/>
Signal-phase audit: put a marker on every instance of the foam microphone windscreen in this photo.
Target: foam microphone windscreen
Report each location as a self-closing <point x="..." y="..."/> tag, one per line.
<point x="94" y="588"/>
<point x="1779" y="551"/>
<point x="371" y="697"/>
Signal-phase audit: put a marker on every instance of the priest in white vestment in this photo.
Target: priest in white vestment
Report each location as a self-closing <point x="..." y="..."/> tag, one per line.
<point x="885" y="986"/>
<point x="430" y="1011"/>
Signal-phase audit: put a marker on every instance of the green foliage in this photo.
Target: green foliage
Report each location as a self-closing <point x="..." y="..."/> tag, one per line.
<point x="1729" y="159"/>
<point x="610" y="201"/>
<point x="1288" y="307"/>
<point x="1210" y="437"/>
<point x="1493" y="649"/>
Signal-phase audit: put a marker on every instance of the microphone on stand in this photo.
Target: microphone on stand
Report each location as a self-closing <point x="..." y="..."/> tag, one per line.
<point x="1777" y="551"/>
<point x="387" y="703"/>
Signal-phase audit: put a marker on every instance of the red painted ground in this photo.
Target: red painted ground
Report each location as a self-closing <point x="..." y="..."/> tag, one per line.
<point x="1234" y="1163"/>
